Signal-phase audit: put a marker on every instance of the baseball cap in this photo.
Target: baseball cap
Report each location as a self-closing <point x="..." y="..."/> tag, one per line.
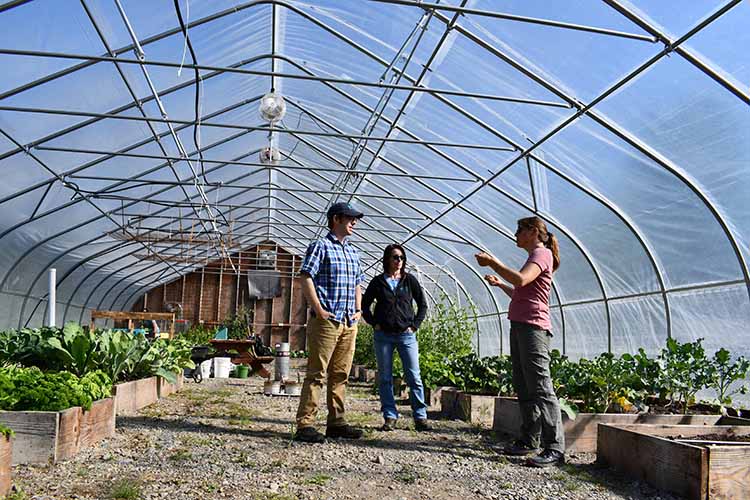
<point x="343" y="208"/>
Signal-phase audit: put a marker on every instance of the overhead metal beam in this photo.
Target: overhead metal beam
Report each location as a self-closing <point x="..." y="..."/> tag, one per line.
<point x="251" y="164"/>
<point x="587" y="110"/>
<point x="294" y="76"/>
<point x="106" y="196"/>
<point x="93" y="163"/>
<point x="317" y="133"/>
<point x="410" y="96"/>
<point x="302" y="210"/>
<point x="521" y="19"/>
<point x="211" y="219"/>
<point x="693" y="59"/>
<point x="12" y="4"/>
<point x="81" y="262"/>
<point x="55" y="210"/>
<point x="398" y="222"/>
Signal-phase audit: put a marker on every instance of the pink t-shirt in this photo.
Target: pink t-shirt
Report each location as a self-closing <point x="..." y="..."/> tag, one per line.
<point x="530" y="303"/>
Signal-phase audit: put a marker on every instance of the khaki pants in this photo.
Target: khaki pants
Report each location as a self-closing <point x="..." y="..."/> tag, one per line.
<point x="331" y="349"/>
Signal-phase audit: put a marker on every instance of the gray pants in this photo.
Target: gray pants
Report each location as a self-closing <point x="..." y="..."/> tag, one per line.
<point x="540" y="410"/>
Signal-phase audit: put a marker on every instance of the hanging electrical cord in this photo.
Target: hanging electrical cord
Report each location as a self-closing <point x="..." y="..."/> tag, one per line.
<point x="197" y="124"/>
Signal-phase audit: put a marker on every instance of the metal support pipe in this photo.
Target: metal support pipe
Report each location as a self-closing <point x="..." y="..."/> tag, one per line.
<point x="521" y="19"/>
<point x="248" y="164"/>
<point x="52" y="297"/>
<point x="105" y="196"/>
<point x="295" y="76"/>
<point x="682" y="51"/>
<point x="232" y="126"/>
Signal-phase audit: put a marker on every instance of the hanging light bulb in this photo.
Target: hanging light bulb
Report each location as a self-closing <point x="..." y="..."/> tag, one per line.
<point x="272" y="107"/>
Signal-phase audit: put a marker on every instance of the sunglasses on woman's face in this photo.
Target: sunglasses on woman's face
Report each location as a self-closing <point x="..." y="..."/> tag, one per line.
<point x="397" y="257"/>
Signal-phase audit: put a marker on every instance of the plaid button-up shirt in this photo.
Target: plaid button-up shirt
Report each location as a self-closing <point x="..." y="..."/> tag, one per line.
<point x="336" y="271"/>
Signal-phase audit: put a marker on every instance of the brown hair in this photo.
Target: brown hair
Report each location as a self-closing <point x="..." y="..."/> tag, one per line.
<point x="544" y="236"/>
<point x="387" y="256"/>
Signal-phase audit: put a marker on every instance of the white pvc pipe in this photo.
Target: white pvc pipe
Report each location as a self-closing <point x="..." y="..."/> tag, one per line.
<point x="51" y="313"/>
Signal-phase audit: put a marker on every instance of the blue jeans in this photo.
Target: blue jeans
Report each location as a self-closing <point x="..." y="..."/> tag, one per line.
<point x="408" y="351"/>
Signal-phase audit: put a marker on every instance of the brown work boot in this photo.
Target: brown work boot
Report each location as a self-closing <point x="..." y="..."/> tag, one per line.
<point x="343" y="431"/>
<point x="389" y="425"/>
<point x="421" y="425"/>
<point x="309" y="435"/>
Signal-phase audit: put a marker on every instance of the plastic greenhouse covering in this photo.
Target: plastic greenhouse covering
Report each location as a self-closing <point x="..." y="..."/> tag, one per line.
<point x="624" y="125"/>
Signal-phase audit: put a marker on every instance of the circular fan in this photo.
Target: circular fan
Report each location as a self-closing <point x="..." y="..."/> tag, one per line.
<point x="270" y="155"/>
<point x="272" y="107"/>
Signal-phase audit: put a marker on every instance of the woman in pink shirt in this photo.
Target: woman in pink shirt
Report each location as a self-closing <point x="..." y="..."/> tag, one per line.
<point x="530" y="335"/>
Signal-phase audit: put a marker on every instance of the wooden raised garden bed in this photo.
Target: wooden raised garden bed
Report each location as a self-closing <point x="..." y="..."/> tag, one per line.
<point x="694" y="461"/>
<point x="367" y="374"/>
<point x="165" y="388"/>
<point x="477" y="409"/>
<point x="132" y="396"/>
<point x="581" y="433"/>
<point x="52" y="436"/>
<point x="6" y="458"/>
<point x="434" y="397"/>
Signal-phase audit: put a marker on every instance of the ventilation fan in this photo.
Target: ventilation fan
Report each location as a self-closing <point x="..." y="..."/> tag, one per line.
<point x="272" y="107"/>
<point x="270" y="156"/>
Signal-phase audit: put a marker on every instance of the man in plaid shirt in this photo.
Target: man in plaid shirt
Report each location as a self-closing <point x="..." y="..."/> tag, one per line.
<point x="331" y="281"/>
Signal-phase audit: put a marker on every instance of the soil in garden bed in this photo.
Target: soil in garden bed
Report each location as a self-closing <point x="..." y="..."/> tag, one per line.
<point x="661" y="407"/>
<point x="715" y="438"/>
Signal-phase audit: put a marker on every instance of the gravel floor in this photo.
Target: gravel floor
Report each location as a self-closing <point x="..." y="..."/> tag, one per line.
<point x="224" y="439"/>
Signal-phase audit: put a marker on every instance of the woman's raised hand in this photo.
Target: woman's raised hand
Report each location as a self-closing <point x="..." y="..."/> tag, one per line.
<point x="492" y="279"/>
<point x="484" y="258"/>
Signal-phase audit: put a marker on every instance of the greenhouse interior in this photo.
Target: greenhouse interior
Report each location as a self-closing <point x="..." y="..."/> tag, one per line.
<point x="188" y="183"/>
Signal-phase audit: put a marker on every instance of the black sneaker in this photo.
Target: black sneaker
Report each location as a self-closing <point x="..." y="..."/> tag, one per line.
<point x="343" y="431"/>
<point x="388" y="425"/>
<point x="421" y="425"/>
<point x="519" y="449"/>
<point x="547" y="458"/>
<point x="309" y="435"/>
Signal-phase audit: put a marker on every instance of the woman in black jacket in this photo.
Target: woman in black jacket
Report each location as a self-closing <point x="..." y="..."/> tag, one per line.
<point x="394" y="293"/>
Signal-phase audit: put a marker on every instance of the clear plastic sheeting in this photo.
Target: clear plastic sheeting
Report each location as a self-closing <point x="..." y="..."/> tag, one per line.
<point x="623" y="125"/>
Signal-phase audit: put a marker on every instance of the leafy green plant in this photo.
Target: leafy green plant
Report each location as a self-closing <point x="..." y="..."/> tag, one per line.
<point x="7" y="432"/>
<point x="162" y="357"/>
<point x="490" y="375"/>
<point x="724" y="374"/>
<point x="446" y="335"/>
<point x="685" y="370"/>
<point x="117" y="349"/>
<point x="198" y="335"/>
<point x="240" y="324"/>
<point x="74" y="350"/>
<point x="34" y="390"/>
<point x="568" y="407"/>
<point x="449" y="330"/>
<point x="435" y="371"/>
<point x="174" y="355"/>
<point x="364" y="350"/>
